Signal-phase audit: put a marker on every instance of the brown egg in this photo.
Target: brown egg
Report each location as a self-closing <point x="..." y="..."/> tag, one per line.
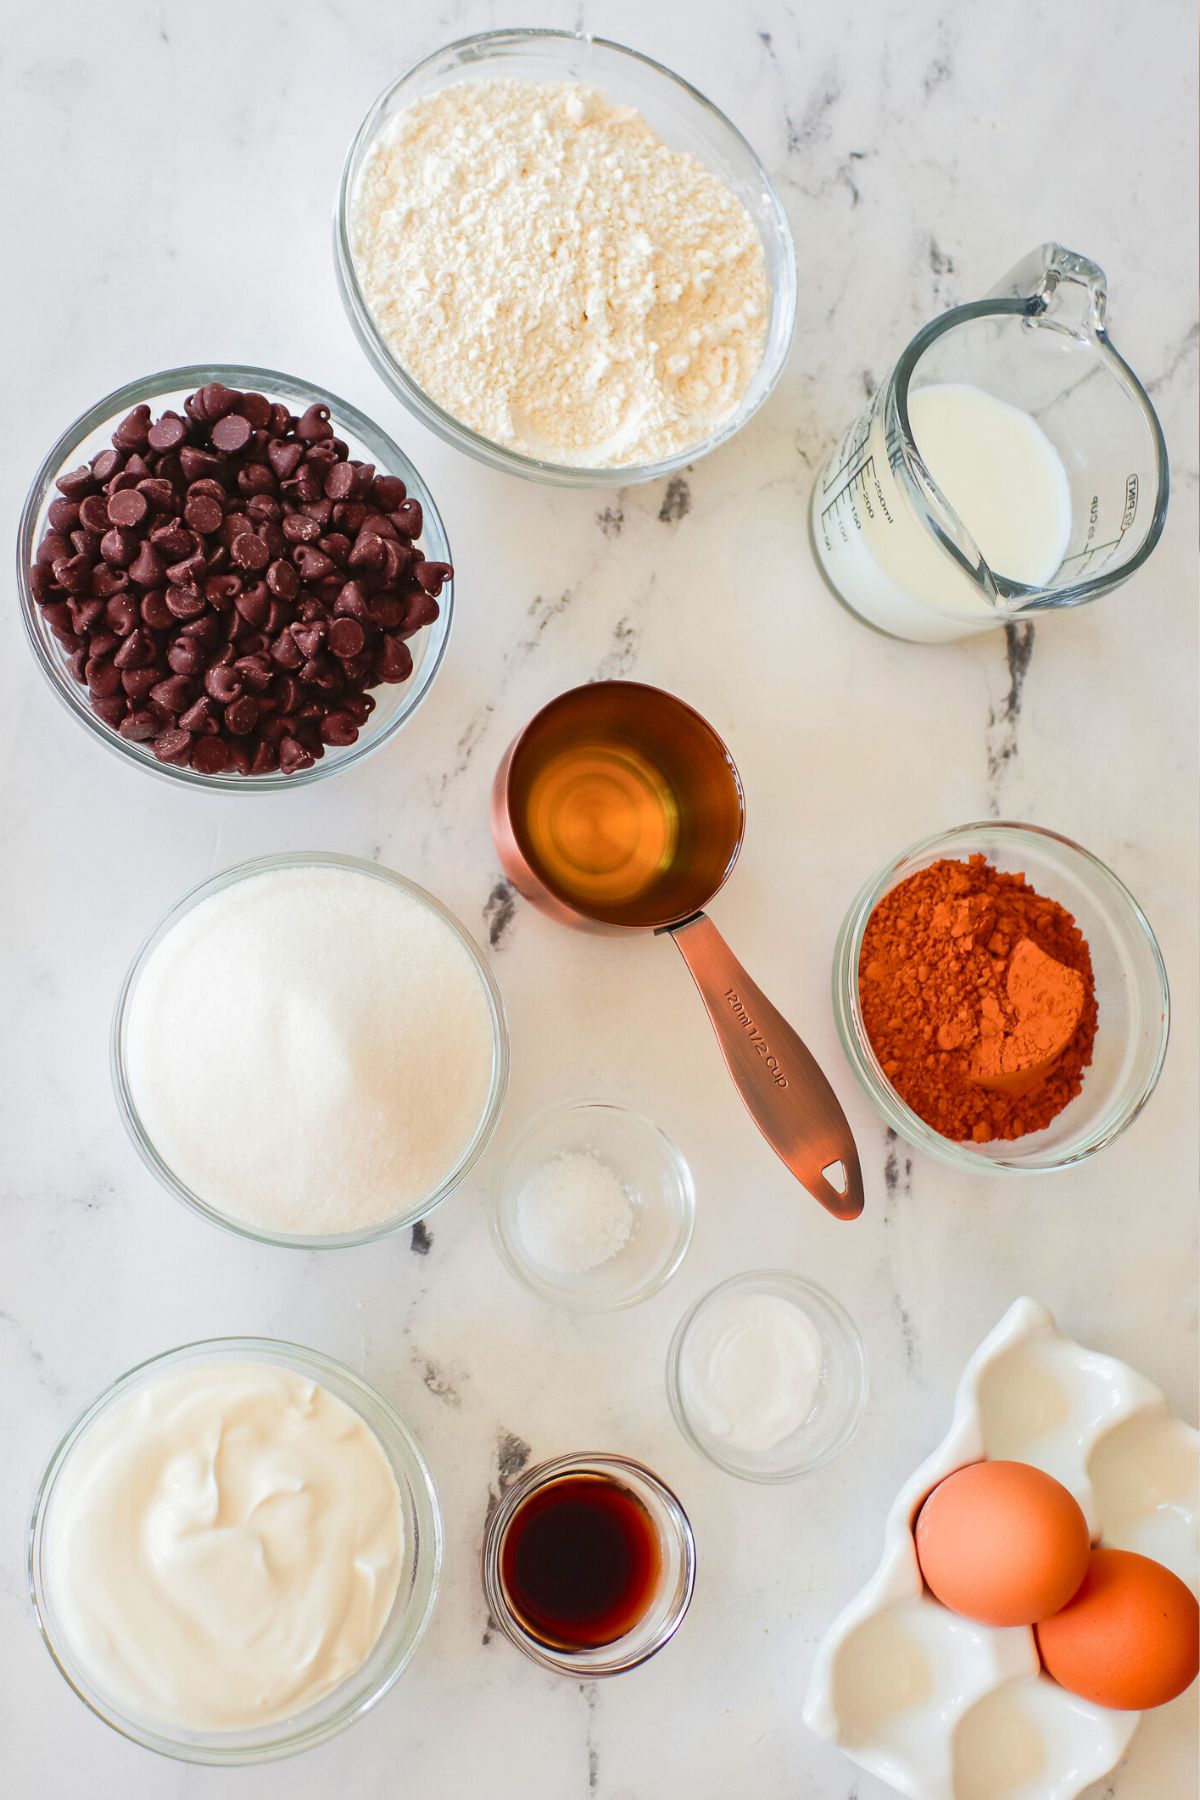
<point x="1002" y="1542"/>
<point x="1130" y="1638"/>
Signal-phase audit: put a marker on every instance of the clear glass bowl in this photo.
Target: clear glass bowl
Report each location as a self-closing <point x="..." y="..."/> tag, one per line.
<point x="405" y="1625"/>
<point x="841" y="1391"/>
<point x="395" y="702"/>
<point x="682" y="117"/>
<point x="1131" y="993"/>
<point x="166" y="1175"/>
<point x="656" y="1179"/>
<point x="677" y="1578"/>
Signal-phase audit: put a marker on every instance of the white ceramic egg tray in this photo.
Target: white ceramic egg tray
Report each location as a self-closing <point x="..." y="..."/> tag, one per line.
<point x="942" y="1708"/>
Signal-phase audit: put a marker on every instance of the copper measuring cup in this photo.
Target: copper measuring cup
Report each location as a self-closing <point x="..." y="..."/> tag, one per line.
<point x="619" y="808"/>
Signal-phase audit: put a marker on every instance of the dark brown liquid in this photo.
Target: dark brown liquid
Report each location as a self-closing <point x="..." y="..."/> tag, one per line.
<point x="580" y="1562"/>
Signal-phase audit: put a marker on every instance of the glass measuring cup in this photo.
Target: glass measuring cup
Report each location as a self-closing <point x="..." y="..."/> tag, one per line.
<point x="619" y="808"/>
<point x="893" y="547"/>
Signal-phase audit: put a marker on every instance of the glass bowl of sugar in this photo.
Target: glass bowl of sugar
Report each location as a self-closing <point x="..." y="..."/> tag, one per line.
<point x="602" y="380"/>
<point x="310" y="1050"/>
<point x="594" y="1207"/>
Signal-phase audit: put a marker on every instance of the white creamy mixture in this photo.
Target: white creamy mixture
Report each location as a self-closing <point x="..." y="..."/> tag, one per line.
<point x="310" y="1050"/>
<point x="555" y="276"/>
<point x="224" y="1546"/>
<point x="1001" y="475"/>
<point x="749" y="1370"/>
<point x="574" y="1213"/>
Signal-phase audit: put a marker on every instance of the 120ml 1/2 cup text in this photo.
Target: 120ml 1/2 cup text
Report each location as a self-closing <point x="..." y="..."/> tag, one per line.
<point x="756" y="1037"/>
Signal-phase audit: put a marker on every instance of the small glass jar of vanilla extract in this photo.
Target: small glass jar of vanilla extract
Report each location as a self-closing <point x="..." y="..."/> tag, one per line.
<point x="589" y="1564"/>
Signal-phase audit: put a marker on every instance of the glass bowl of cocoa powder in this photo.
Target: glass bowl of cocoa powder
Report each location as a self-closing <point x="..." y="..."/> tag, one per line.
<point x="1002" y="999"/>
<point x="58" y="625"/>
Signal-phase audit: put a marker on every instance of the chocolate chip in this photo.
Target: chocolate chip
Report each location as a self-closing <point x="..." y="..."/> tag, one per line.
<point x="422" y="609"/>
<point x="223" y="684"/>
<point x="432" y="575"/>
<point x="313" y="424"/>
<point x="409" y="518"/>
<point x="167" y="433"/>
<point x="203" y="515"/>
<point x="241" y="716"/>
<point x="76" y="483"/>
<point x="339" y="728"/>
<point x="128" y="507"/>
<point x="339" y="481"/>
<point x="249" y="551"/>
<point x="210" y="756"/>
<point x="185" y="602"/>
<point x="174" y="746"/>
<point x="393" y="661"/>
<point x="93" y="513"/>
<point x="232" y="433"/>
<point x="293" y="756"/>
<point x="106" y="464"/>
<point x="346" y="637"/>
<point x="136" y="650"/>
<point x="214" y="400"/>
<point x="138" y="726"/>
<point x="256" y="408"/>
<point x="134" y="429"/>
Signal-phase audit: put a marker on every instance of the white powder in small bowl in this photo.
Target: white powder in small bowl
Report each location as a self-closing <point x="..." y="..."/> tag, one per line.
<point x="574" y="1213"/>
<point x="310" y="1050"/>
<point x="750" y="1370"/>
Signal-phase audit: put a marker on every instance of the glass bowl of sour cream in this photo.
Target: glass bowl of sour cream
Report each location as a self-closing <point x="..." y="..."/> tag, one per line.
<point x="683" y="119"/>
<point x="190" y="1630"/>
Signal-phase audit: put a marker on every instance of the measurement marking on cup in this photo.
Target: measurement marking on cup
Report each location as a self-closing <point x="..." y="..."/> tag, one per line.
<point x="861" y="494"/>
<point x="771" y="1063"/>
<point x="850" y="454"/>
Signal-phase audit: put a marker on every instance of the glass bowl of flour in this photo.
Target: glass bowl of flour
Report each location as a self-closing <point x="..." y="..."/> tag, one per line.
<point x="310" y="1050"/>
<point x="236" y="1637"/>
<point x="563" y="259"/>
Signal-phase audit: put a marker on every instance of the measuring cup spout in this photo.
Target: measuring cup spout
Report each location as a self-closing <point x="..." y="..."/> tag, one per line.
<point x="785" y="1092"/>
<point x="1060" y="288"/>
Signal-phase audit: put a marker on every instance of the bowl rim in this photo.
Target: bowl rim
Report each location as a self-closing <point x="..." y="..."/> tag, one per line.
<point x="783" y="292"/>
<point x="427" y="1564"/>
<point x="674" y="1158"/>
<point x="862" y="1059"/>
<point x="759" y="1280"/>
<point x="140" y="1137"/>
<point x="68" y="445"/>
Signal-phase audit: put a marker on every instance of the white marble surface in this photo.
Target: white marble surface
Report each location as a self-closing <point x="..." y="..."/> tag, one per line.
<point x="171" y="172"/>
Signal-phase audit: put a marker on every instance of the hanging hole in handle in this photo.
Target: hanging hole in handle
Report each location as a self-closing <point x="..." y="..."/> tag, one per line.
<point x="837" y="1177"/>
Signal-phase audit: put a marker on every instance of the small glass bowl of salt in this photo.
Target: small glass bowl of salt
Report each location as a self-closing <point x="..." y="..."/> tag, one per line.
<point x="594" y="1206"/>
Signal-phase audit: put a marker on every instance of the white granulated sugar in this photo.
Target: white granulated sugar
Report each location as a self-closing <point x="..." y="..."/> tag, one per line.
<point x="310" y="1050"/>
<point x="555" y="276"/>
<point x="573" y="1213"/>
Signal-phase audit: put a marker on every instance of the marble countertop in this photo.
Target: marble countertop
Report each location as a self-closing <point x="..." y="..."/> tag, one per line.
<point x="172" y="170"/>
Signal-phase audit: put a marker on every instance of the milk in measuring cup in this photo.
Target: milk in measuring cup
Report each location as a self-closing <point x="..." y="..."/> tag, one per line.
<point x="999" y="472"/>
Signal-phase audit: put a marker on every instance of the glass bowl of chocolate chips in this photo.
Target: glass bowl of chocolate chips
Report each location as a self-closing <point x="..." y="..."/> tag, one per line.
<point x="233" y="578"/>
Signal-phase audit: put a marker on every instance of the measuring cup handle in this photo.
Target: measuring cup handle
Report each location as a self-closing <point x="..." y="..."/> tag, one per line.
<point x="785" y="1092"/>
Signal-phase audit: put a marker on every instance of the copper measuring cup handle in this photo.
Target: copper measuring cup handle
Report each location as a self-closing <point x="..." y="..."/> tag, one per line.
<point x="785" y="1092"/>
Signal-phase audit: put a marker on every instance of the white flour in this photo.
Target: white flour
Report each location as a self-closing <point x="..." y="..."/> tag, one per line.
<point x="310" y="1050"/>
<point x="555" y="276"/>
